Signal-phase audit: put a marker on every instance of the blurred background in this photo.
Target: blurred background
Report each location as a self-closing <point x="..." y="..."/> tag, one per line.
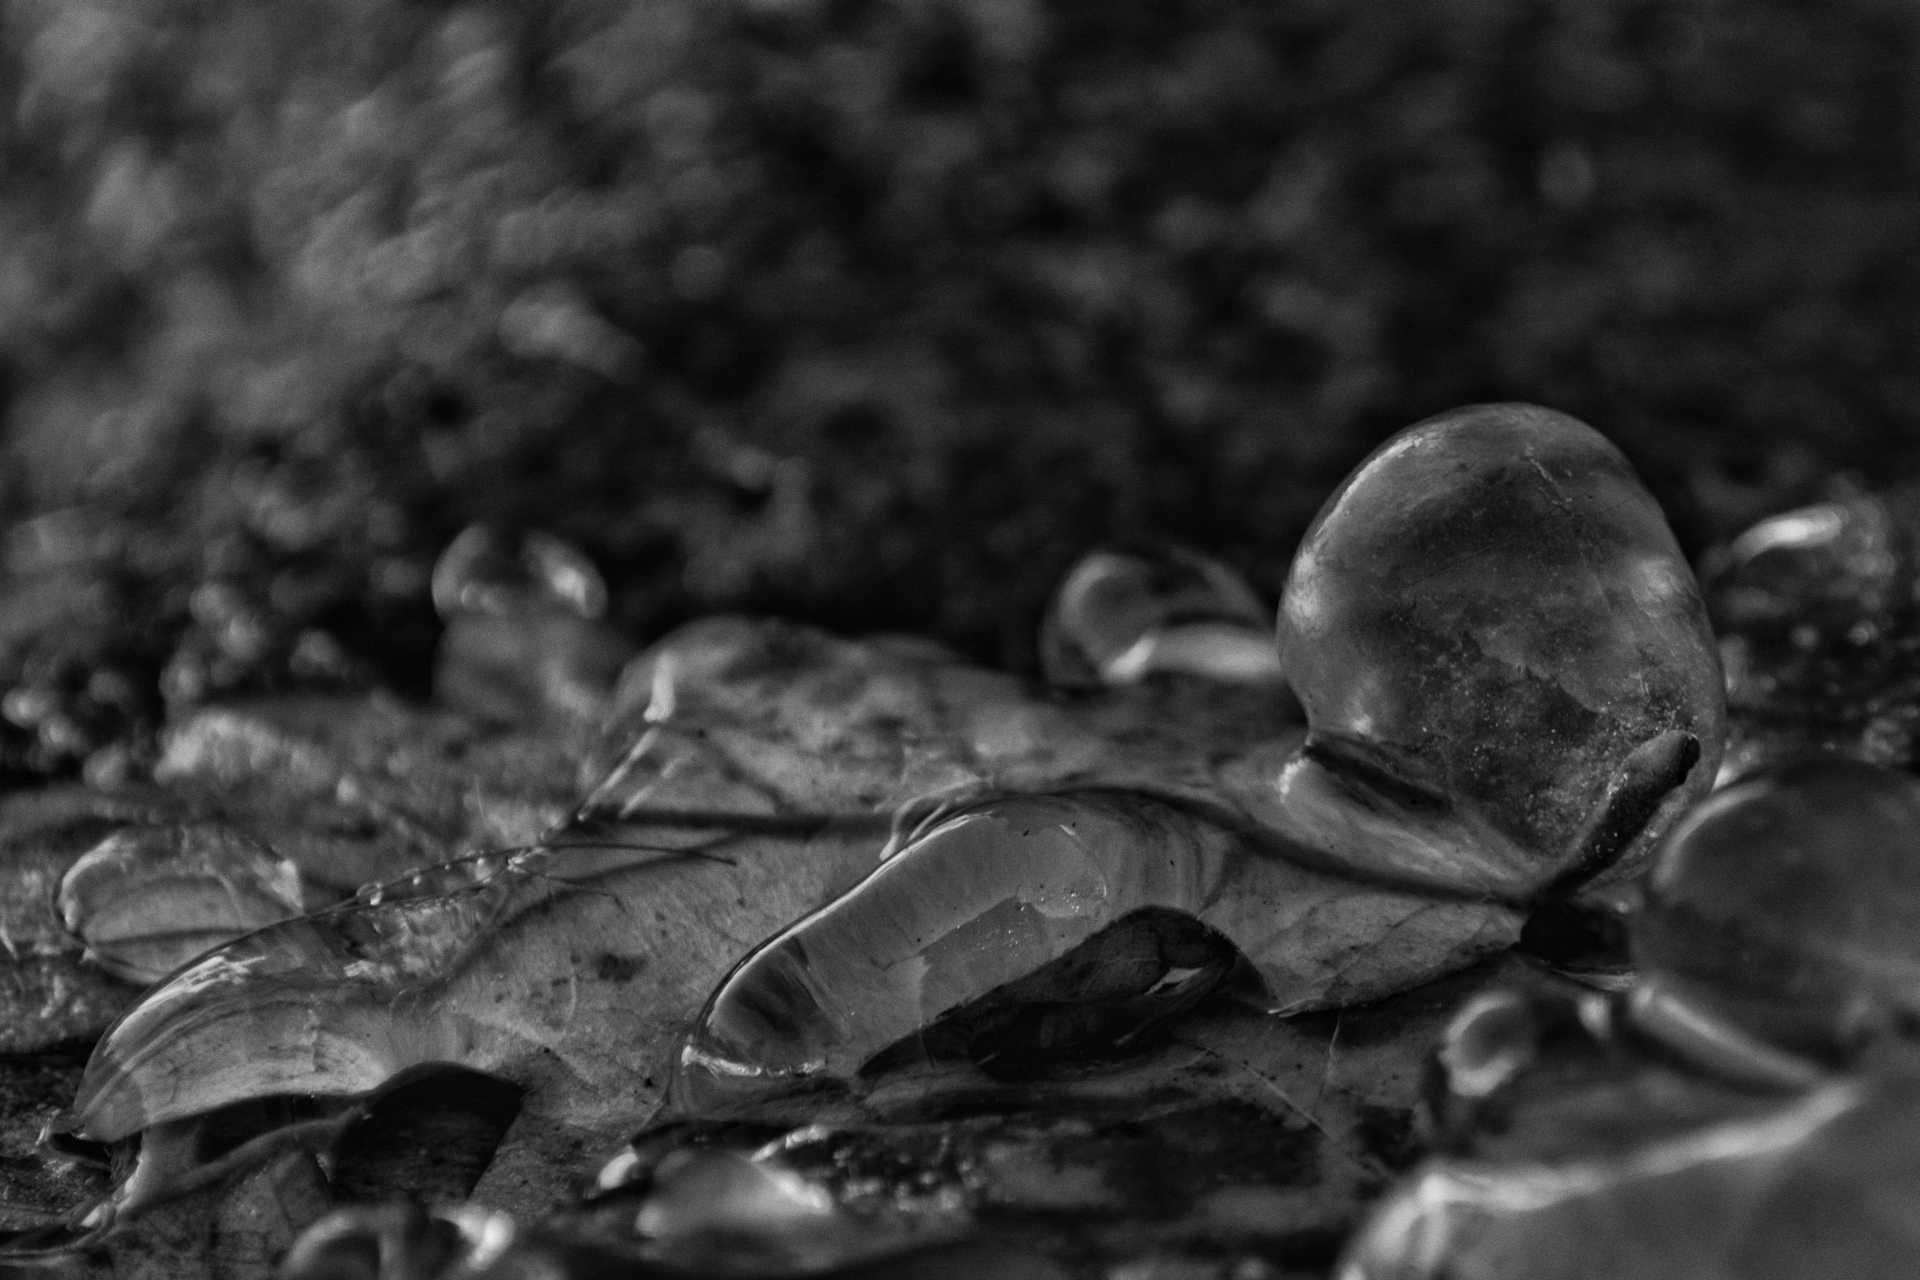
<point x="878" y="312"/>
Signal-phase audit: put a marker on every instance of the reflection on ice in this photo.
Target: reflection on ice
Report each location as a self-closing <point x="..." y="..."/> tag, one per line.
<point x="1810" y="529"/>
<point x="1748" y="1108"/>
<point x="1509" y="688"/>
<point x="996" y="893"/>
<point x="523" y="641"/>
<point x="1122" y="617"/>
<point x="1814" y="610"/>
<point x="1784" y="912"/>
<point x="1494" y="609"/>
<point x="150" y="898"/>
<point x="568" y="969"/>
<point x="1817" y="1184"/>
<point x="484" y="571"/>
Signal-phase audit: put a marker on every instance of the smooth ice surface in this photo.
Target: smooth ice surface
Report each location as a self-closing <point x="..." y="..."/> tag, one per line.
<point x="49" y="993"/>
<point x="1818" y="1183"/>
<point x="485" y="571"/>
<point x="567" y="968"/>
<point x="523" y="642"/>
<point x="1123" y="616"/>
<point x="1748" y="1109"/>
<point x="993" y="894"/>
<point x="1788" y="907"/>
<point x="1835" y="554"/>
<point x="1496" y="1038"/>
<point x="1510" y="687"/>
<point x="149" y="898"/>
<point x="407" y="1240"/>
<point x="772" y="718"/>
<point x="1492" y="609"/>
<point x="1814" y="609"/>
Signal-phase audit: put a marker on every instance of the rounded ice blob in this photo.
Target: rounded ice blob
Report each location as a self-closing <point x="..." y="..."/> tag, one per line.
<point x="1814" y="609"/>
<point x="523" y="639"/>
<point x="1493" y="610"/>
<point x="1784" y="913"/>
<point x="484" y="571"/>
<point x="1120" y="617"/>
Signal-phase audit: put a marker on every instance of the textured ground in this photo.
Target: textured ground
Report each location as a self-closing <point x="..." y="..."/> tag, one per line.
<point x="877" y="313"/>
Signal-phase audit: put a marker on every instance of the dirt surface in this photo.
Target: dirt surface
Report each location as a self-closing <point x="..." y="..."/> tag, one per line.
<point x="876" y="313"/>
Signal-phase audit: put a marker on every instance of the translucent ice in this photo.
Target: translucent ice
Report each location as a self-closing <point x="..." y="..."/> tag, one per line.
<point x="523" y="641"/>
<point x="359" y="789"/>
<point x="1510" y="689"/>
<point x="1818" y="1183"/>
<point x="484" y="571"/>
<point x="147" y="899"/>
<point x="1748" y="1109"/>
<point x="1783" y="914"/>
<point x="49" y="994"/>
<point x="566" y="967"/>
<point x="319" y="1004"/>
<point x="1814" y="609"/>
<point x="406" y="1240"/>
<point x="1502" y="1042"/>
<point x="778" y="718"/>
<point x="991" y="895"/>
<point x="1806" y="565"/>
<point x="720" y="1212"/>
<point x="1120" y="617"/>
<point x="1491" y="614"/>
<point x="759" y="765"/>
<point x="723" y="1217"/>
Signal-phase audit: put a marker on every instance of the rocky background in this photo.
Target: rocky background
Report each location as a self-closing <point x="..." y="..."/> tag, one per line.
<point x="877" y="312"/>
